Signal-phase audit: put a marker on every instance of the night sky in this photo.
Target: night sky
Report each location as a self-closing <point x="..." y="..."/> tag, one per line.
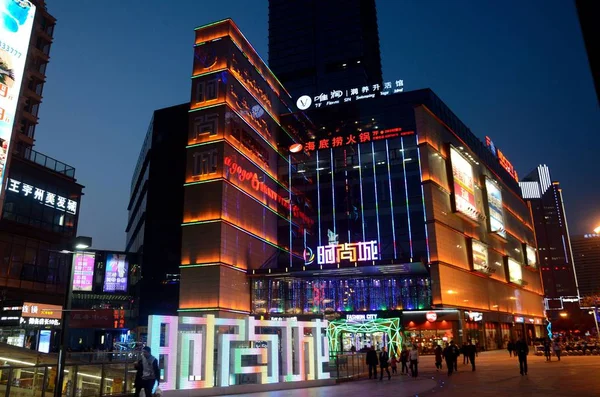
<point x="516" y="71"/>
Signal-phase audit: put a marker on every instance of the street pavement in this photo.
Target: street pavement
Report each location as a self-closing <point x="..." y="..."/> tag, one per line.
<point x="496" y="374"/>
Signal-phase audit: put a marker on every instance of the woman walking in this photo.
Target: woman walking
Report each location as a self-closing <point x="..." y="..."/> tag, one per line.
<point x="414" y="361"/>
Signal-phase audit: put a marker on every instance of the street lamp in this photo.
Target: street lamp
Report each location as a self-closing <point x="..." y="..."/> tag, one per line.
<point x="80" y="243"/>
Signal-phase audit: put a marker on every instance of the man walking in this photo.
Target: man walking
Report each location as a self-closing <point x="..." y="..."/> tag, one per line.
<point x="472" y="353"/>
<point x="384" y="359"/>
<point x="450" y="353"/>
<point x="522" y="350"/>
<point x="150" y="373"/>
<point x="372" y="362"/>
<point x="557" y="348"/>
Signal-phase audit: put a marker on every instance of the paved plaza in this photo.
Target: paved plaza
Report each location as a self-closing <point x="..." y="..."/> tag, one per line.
<point x="497" y="375"/>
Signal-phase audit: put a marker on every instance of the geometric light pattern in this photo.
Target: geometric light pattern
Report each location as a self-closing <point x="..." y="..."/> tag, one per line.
<point x="188" y="357"/>
<point x="390" y="326"/>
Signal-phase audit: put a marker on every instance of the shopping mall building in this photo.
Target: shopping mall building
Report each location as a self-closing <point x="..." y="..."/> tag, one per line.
<point x="370" y="207"/>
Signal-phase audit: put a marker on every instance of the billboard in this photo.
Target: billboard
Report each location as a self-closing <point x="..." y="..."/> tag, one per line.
<point x="83" y="277"/>
<point x="15" y="31"/>
<point x="531" y="256"/>
<point x="115" y="276"/>
<point x="480" y="256"/>
<point x="515" y="272"/>
<point x="464" y="185"/>
<point x="494" y="197"/>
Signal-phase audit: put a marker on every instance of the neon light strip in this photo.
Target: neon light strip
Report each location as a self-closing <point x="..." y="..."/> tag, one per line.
<point x="240" y="229"/>
<point x="239" y="269"/>
<point x="206" y="107"/>
<point x="387" y="152"/>
<point x="318" y="198"/>
<point x="290" y="198"/>
<point x="375" y="188"/>
<point x="423" y="200"/>
<point x="332" y="189"/>
<point x="195" y="76"/>
<point x="212" y="309"/>
<point x="205" y="143"/>
<point x="406" y="195"/>
<point x="362" y="207"/>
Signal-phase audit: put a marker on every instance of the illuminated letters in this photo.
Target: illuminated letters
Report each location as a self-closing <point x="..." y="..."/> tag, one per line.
<point x="353" y="252"/>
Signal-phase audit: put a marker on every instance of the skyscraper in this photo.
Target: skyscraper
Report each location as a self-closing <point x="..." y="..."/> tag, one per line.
<point x="554" y="245"/>
<point x="320" y="46"/>
<point x="586" y="252"/>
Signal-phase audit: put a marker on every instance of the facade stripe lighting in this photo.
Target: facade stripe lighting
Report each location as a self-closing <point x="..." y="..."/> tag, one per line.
<point x="406" y="195"/>
<point x="387" y="152"/>
<point x="332" y="189"/>
<point x="318" y="198"/>
<point x="362" y="207"/>
<point x="375" y="187"/>
<point x="423" y="201"/>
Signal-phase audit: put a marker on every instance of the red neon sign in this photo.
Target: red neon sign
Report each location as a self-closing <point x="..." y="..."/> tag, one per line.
<point x="362" y="137"/>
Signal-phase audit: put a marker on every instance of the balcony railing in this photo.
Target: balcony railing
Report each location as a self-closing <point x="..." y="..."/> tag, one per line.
<point x="47" y="162"/>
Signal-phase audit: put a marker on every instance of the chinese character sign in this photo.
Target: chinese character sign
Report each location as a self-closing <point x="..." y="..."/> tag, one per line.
<point x="115" y="277"/>
<point x="464" y="186"/>
<point x="335" y="97"/>
<point x="83" y="277"/>
<point x="41" y="196"/>
<point x="480" y="256"/>
<point x="362" y="137"/>
<point x="15" y="31"/>
<point x="353" y="252"/>
<point x="496" y="212"/>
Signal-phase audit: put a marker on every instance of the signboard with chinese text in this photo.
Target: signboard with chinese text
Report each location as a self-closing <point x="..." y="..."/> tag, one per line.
<point x="100" y="318"/>
<point x="507" y="165"/>
<point x="48" y="199"/>
<point x="515" y="272"/>
<point x="41" y="310"/>
<point x="361" y="137"/>
<point x="464" y="186"/>
<point x="353" y="252"/>
<point x="480" y="256"/>
<point x="115" y="276"/>
<point x="83" y="277"/>
<point x="336" y="97"/>
<point x="15" y="31"/>
<point x="496" y="212"/>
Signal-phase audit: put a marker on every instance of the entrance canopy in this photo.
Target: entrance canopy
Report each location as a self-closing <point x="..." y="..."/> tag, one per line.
<point x="390" y="326"/>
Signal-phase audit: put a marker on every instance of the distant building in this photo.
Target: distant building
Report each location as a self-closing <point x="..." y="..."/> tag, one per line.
<point x="588" y="11"/>
<point x="586" y="252"/>
<point x="155" y="210"/>
<point x="321" y="46"/>
<point x="554" y="245"/>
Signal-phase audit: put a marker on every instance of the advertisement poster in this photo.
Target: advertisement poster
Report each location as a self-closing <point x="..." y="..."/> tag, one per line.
<point x="494" y="196"/>
<point x="480" y="256"/>
<point x="115" y="278"/>
<point x="531" y="256"/>
<point x="15" y="31"/>
<point x="83" y="277"/>
<point x="464" y="187"/>
<point x="515" y="272"/>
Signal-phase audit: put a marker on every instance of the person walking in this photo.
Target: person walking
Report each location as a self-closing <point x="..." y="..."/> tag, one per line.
<point x="522" y="350"/>
<point x="384" y="359"/>
<point x="150" y="374"/>
<point x="557" y="348"/>
<point x="456" y="355"/>
<point x="472" y="353"/>
<point x="548" y="349"/>
<point x="404" y="360"/>
<point x="414" y="361"/>
<point x="511" y="348"/>
<point x="465" y="353"/>
<point x="394" y="364"/>
<point x="439" y="353"/>
<point x="372" y="363"/>
<point x="450" y="356"/>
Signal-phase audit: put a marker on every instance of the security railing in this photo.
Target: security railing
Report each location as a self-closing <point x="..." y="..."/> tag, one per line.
<point x="81" y="380"/>
<point x="348" y="366"/>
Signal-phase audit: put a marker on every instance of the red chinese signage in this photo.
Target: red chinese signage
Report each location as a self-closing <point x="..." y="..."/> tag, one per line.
<point x="101" y="318"/>
<point x="256" y="184"/>
<point x="507" y="165"/>
<point x="361" y="137"/>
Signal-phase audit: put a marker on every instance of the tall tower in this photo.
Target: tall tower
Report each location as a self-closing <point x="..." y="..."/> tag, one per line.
<point x="554" y="244"/>
<point x="319" y="46"/>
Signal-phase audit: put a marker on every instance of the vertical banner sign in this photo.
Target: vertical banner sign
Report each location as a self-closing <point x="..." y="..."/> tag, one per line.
<point x="464" y="185"/>
<point x="115" y="278"/>
<point x="83" y="275"/>
<point x="496" y="211"/>
<point x="15" y="30"/>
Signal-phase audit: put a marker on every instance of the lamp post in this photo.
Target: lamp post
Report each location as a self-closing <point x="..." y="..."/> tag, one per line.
<point x="80" y="243"/>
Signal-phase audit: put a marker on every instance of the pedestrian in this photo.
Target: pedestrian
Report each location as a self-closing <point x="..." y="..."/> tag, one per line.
<point x="522" y="350"/>
<point x="372" y="363"/>
<point x="439" y="353"/>
<point x="511" y="348"/>
<point x="456" y="355"/>
<point x="353" y="349"/>
<point x="394" y="364"/>
<point x="150" y="374"/>
<point x="449" y="356"/>
<point x="464" y="350"/>
<point x="384" y="359"/>
<point x="547" y="349"/>
<point x="414" y="361"/>
<point x="472" y="353"/>
<point x="557" y="348"/>
<point x="404" y="360"/>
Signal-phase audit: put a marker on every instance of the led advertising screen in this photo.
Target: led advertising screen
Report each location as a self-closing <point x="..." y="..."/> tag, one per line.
<point x="464" y="186"/>
<point x="15" y="30"/>
<point x="83" y="277"/>
<point x="115" y="277"/>
<point x="480" y="256"/>
<point x="44" y="344"/>
<point x="531" y="256"/>
<point x="494" y="196"/>
<point x="515" y="272"/>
